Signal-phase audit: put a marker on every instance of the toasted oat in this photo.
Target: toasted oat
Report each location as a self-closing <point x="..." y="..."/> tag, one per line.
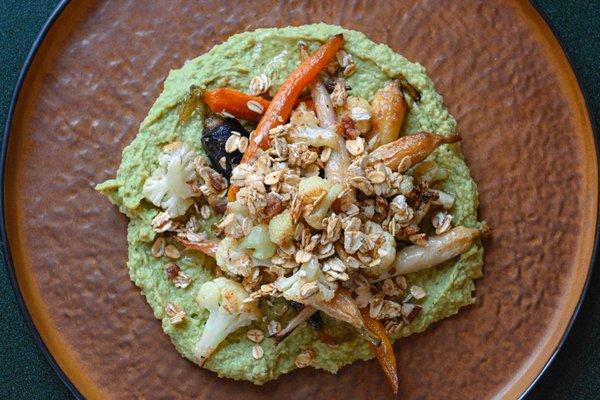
<point x="243" y="144"/>
<point x="441" y="221"/>
<point x="339" y="94"/>
<point x="205" y="211"/>
<point x="259" y="84"/>
<point x="182" y="280"/>
<point x="172" y="252"/>
<point x="223" y="162"/>
<point x="273" y="328"/>
<point x="355" y="147"/>
<point x="325" y="154"/>
<point x="257" y="352"/>
<point x="255" y="335"/>
<point x="308" y="289"/>
<point x="162" y="222"/>
<point x="401" y="282"/>
<point x="390" y="288"/>
<point x="304" y="359"/>
<point x="232" y="142"/>
<point x="272" y="178"/>
<point x="175" y="313"/>
<point x="418" y="292"/>
<point x="158" y="247"/>
<point x="376" y="177"/>
<point x="255" y="106"/>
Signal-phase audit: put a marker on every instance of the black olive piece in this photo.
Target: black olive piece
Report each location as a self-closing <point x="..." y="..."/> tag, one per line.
<point x="215" y="135"/>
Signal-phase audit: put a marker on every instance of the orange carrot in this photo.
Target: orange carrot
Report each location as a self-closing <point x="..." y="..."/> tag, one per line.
<point x="282" y="104"/>
<point x="234" y="102"/>
<point x="385" y="351"/>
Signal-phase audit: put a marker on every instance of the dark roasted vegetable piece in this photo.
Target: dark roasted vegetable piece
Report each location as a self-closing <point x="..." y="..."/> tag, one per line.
<point x="215" y="135"/>
<point x="315" y="320"/>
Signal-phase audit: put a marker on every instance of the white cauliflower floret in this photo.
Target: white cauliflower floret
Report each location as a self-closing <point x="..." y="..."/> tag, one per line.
<point x="233" y="260"/>
<point x="168" y="187"/>
<point x="307" y="285"/>
<point x="224" y="300"/>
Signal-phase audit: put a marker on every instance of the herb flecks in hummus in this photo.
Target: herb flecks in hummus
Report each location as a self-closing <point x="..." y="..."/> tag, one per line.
<point x="352" y="219"/>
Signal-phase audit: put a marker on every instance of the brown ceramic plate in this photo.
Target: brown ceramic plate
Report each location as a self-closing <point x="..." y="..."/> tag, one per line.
<point x="527" y="138"/>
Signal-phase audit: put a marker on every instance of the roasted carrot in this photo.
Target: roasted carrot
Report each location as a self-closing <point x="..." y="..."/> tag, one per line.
<point x="283" y="102"/>
<point x="409" y="150"/>
<point x="235" y="103"/>
<point x="385" y="351"/>
<point x="208" y="247"/>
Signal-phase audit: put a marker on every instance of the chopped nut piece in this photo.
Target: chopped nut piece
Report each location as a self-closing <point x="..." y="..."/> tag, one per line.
<point x="273" y="328"/>
<point x="175" y="313"/>
<point x="418" y="292"/>
<point x="255" y="106"/>
<point x="158" y="247"/>
<point x="172" y="252"/>
<point x="259" y="84"/>
<point x="304" y="359"/>
<point x="255" y="335"/>
<point x="257" y="352"/>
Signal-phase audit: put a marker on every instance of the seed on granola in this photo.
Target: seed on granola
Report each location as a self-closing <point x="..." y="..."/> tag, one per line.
<point x="257" y="352"/>
<point x="355" y="147"/>
<point x="255" y="106"/>
<point x="243" y="144"/>
<point x="158" y="247"/>
<point x="273" y="328"/>
<point x="174" y="312"/>
<point x="418" y="292"/>
<point x="304" y="359"/>
<point x="172" y="252"/>
<point x="255" y="335"/>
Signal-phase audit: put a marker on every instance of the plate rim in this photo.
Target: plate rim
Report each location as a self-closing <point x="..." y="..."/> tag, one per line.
<point x="9" y="264"/>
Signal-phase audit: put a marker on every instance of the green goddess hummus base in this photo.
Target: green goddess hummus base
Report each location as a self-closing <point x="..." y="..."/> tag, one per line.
<point x="233" y="64"/>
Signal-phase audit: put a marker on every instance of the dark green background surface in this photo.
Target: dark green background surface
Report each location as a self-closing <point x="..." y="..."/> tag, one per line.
<point x="575" y="374"/>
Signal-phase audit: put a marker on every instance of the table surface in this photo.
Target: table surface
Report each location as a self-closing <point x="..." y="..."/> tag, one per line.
<point x="575" y="374"/>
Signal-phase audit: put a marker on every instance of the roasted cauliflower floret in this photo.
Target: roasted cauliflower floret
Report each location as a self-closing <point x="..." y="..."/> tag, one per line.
<point x="307" y="282"/>
<point x="168" y="187"/>
<point x="223" y="298"/>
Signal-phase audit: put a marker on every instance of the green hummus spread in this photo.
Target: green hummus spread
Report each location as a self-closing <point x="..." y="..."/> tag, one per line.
<point x="233" y="64"/>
